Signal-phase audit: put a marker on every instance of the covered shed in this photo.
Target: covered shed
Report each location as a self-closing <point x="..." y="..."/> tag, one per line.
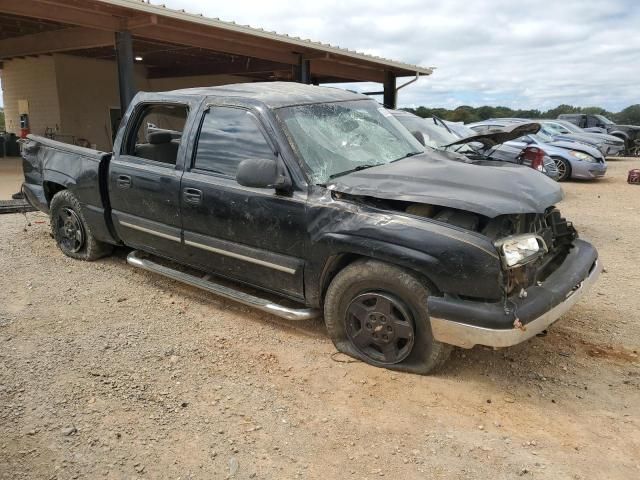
<point x="69" y="67"/>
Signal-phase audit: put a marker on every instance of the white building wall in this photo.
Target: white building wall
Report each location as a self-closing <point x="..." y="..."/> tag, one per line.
<point x="73" y="95"/>
<point x="32" y="79"/>
<point x="87" y="89"/>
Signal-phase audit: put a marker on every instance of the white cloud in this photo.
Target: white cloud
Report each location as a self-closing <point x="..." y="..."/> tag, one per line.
<point x="528" y="54"/>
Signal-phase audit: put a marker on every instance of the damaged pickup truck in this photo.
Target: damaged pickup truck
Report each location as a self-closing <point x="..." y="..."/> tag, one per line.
<point x="320" y="198"/>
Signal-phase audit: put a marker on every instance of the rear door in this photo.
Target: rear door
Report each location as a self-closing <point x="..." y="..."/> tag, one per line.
<point x="253" y="235"/>
<point x="144" y="179"/>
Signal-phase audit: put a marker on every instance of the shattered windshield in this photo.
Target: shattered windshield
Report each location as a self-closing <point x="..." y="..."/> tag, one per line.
<point x="338" y="138"/>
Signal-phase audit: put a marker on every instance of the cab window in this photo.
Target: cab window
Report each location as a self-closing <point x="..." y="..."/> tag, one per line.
<point x="227" y="137"/>
<point x="157" y="133"/>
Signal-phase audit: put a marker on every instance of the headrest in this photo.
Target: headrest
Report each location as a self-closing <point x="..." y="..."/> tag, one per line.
<point x="159" y="137"/>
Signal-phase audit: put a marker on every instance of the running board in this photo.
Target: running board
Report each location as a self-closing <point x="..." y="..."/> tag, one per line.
<point x="252" y="301"/>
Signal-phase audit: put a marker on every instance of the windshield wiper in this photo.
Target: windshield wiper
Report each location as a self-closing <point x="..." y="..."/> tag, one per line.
<point x="438" y="120"/>
<point x="410" y="154"/>
<point x="359" y="167"/>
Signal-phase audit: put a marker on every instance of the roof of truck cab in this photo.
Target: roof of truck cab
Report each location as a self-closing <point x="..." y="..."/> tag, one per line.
<point x="275" y="94"/>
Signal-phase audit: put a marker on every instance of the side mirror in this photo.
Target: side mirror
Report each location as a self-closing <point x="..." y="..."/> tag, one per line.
<point x="420" y="137"/>
<point x="262" y="173"/>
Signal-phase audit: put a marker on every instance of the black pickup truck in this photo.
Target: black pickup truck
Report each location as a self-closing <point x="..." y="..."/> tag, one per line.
<point x="322" y="203"/>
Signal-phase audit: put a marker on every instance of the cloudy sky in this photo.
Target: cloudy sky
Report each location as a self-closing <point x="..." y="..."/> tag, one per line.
<point x="529" y="54"/>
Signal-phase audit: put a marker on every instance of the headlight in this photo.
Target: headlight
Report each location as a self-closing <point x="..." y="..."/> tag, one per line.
<point x="583" y="156"/>
<point x="520" y="249"/>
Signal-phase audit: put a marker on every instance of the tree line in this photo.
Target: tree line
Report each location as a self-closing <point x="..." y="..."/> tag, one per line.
<point x="467" y="114"/>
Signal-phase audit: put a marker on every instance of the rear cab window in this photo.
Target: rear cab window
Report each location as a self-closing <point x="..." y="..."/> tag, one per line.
<point x="156" y="133"/>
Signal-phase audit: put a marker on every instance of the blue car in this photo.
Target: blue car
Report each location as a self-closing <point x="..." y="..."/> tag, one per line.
<point x="574" y="160"/>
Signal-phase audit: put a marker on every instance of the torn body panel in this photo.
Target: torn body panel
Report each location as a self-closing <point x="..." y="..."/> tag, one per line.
<point x="50" y="166"/>
<point x="451" y="258"/>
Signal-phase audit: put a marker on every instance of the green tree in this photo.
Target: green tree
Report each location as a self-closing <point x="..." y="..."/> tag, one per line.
<point x="629" y="116"/>
<point x="560" y="109"/>
<point x="2" y="119"/>
<point x="467" y="114"/>
<point x="595" y="111"/>
<point x="486" y="112"/>
<point x="464" y="114"/>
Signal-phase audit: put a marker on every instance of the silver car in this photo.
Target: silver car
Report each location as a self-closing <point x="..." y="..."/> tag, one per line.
<point x="573" y="159"/>
<point x="437" y="134"/>
<point x="609" y="145"/>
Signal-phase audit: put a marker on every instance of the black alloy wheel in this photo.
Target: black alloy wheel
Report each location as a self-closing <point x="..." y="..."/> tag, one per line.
<point x="70" y="230"/>
<point x="380" y="327"/>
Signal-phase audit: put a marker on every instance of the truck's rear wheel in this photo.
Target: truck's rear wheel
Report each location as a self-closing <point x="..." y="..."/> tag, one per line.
<point x="377" y="313"/>
<point x="71" y="231"/>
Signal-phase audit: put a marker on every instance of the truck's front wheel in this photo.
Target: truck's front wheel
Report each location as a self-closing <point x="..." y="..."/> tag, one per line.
<point x="377" y="313"/>
<point x="71" y="231"/>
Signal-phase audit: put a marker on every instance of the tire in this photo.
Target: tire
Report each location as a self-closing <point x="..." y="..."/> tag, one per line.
<point x="368" y="287"/>
<point x="564" y="169"/>
<point x="71" y="231"/>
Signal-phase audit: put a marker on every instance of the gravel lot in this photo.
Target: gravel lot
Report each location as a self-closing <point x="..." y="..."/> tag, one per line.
<point x="111" y="372"/>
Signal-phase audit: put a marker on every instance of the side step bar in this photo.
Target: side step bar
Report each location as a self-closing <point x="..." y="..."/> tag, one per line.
<point x="263" y="304"/>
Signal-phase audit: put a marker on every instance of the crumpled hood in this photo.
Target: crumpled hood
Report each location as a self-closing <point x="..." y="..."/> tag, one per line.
<point x="496" y="136"/>
<point x="580" y="147"/>
<point x="486" y="188"/>
<point x="588" y="139"/>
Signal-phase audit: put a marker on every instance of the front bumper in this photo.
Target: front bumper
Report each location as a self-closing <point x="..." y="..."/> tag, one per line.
<point x="613" y="150"/>
<point x="588" y="170"/>
<point x="466" y="323"/>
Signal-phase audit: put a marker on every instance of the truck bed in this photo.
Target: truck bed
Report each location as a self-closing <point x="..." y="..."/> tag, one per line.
<point x="50" y="166"/>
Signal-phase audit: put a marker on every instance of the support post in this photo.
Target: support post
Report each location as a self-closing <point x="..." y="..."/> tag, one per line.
<point x="124" y="59"/>
<point x="302" y="71"/>
<point x="390" y="94"/>
<point x="305" y="71"/>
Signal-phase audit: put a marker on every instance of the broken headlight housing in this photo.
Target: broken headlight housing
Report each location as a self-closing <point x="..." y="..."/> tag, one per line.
<point x="583" y="156"/>
<point x="520" y="249"/>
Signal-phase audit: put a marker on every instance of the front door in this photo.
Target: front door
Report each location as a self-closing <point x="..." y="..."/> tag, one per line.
<point x="253" y="235"/>
<point x="144" y="182"/>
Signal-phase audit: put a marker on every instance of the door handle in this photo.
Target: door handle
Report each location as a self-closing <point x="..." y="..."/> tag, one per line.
<point x="192" y="196"/>
<point x="123" y="181"/>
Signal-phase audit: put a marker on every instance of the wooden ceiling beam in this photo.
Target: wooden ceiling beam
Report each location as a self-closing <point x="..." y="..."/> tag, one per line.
<point x="141" y="22"/>
<point x="244" y="67"/>
<point x="59" y="12"/>
<point x="178" y="34"/>
<point x="329" y="68"/>
<point x="55" y="41"/>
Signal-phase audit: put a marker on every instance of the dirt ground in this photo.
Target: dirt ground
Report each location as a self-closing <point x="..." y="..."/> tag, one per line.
<point x="10" y="176"/>
<point x="111" y="372"/>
